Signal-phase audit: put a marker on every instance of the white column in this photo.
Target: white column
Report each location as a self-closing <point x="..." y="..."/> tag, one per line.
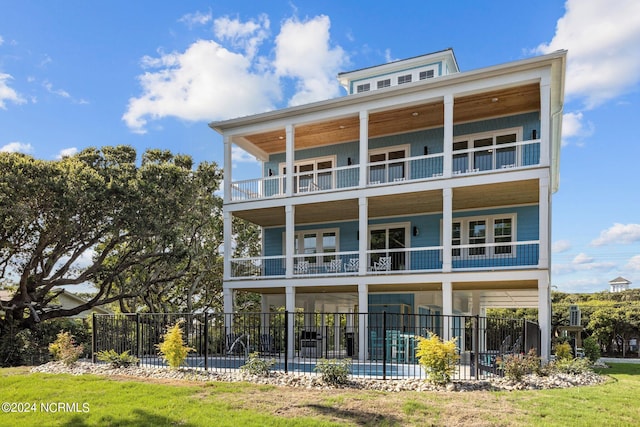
<point x="363" y="233"/>
<point x="363" y="312"/>
<point x="227" y="300"/>
<point x="447" y="309"/>
<point x="264" y="309"/>
<point x="290" y="235"/>
<point x="364" y="147"/>
<point x="227" y="169"/>
<point x="289" y="158"/>
<point x="447" y="163"/>
<point x="544" y="317"/>
<point x="447" y="221"/>
<point x="290" y="306"/>
<point x="227" y="235"/>
<point x="545" y="118"/>
<point x="544" y="215"/>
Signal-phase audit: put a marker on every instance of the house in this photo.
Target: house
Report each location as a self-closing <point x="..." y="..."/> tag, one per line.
<point x="65" y="300"/>
<point x="424" y="190"/>
<point x="619" y="284"/>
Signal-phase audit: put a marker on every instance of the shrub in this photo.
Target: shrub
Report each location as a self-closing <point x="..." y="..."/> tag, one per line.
<point x="437" y="358"/>
<point x="65" y="349"/>
<point x="115" y="360"/>
<point x="591" y="349"/>
<point x="516" y="366"/>
<point x="334" y="371"/>
<point x="571" y="366"/>
<point x="172" y="349"/>
<point x="257" y="366"/>
<point x="563" y="351"/>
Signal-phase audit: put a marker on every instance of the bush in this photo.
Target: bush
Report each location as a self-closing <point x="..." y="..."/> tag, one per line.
<point x="257" y="366"/>
<point x="591" y="349"/>
<point x="65" y="349"/>
<point x="563" y="351"/>
<point x="334" y="371"/>
<point x="115" y="360"/>
<point x="516" y="366"/>
<point x="437" y="358"/>
<point x="172" y="349"/>
<point x="571" y="366"/>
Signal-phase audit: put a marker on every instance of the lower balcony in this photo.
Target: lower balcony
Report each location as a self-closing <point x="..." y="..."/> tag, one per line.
<point x="511" y="255"/>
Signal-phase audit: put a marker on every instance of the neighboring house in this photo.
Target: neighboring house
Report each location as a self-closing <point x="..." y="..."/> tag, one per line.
<point x="66" y="300"/>
<point x="424" y="190"/>
<point x="619" y="284"/>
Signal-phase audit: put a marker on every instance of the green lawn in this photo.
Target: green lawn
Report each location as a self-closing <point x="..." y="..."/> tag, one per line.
<point x="98" y="401"/>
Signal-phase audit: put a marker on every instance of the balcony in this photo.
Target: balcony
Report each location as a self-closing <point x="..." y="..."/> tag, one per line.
<point x="488" y="256"/>
<point x="502" y="158"/>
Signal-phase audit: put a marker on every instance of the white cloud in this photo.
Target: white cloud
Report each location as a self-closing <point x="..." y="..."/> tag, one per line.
<point x="582" y="258"/>
<point x="560" y="246"/>
<point x="16" y="147"/>
<point x="216" y="80"/>
<point x="618" y="233"/>
<point x="602" y="39"/>
<point x="60" y="92"/>
<point x="247" y="36"/>
<point x="304" y="53"/>
<point x="206" y="82"/>
<point x="1" y="41"/>
<point x="196" y="18"/>
<point x="634" y="263"/>
<point x="573" y="126"/>
<point x="7" y="93"/>
<point x="582" y="263"/>
<point x="239" y="155"/>
<point x="67" y="152"/>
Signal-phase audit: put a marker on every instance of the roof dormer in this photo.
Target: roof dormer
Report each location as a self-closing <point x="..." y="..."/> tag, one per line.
<point x="396" y="73"/>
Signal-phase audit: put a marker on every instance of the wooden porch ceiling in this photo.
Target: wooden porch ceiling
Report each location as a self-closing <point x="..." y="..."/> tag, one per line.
<point x="473" y="197"/>
<point x="406" y="119"/>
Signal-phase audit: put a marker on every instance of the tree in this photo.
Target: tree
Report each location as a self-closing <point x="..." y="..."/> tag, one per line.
<point x="134" y="232"/>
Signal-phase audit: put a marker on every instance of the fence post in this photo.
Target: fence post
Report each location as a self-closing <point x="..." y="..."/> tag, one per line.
<point x="93" y="338"/>
<point x="384" y="345"/>
<point x="286" y="341"/>
<point x="138" y="335"/>
<point x="206" y="341"/>
<point x="476" y="345"/>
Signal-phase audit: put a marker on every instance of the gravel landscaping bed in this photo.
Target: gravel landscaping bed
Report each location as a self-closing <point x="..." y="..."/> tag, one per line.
<point x="530" y="382"/>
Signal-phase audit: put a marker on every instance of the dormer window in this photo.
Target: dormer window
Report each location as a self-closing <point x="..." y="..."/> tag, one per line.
<point x="363" y="88"/>
<point x="426" y="74"/>
<point x="384" y="83"/>
<point x="404" y="79"/>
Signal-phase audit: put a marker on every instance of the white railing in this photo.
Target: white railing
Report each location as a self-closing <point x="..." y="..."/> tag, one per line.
<point x="501" y="157"/>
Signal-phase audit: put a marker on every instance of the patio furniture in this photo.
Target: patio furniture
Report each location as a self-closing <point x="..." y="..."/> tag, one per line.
<point x="335" y="266"/>
<point x="383" y="264"/>
<point x="353" y="265"/>
<point x="302" y="267"/>
<point x="267" y="344"/>
<point x="309" y="343"/>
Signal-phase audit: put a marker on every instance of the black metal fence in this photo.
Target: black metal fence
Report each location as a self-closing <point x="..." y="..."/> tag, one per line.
<point x="386" y="349"/>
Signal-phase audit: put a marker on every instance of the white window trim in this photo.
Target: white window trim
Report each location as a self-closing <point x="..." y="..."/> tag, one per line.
<point x="490" y="238"/>
<point x="299" y="236"/>
<point x="386" y="227"/>
<point x="482" y="135"/>
<point x="387" y="150"/>
<point x="314" y="161"/>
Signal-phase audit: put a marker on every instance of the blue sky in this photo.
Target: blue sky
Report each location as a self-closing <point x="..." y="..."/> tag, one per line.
<point x="152" y="74"/>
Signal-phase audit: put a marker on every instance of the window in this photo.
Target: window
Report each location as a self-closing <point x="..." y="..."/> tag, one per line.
<point x="478" y="232"/>
<point x="404" y="79"/>
<point x="389" y="241"/>
<point x="384" y="83"/>
<point x="382" y="168"/>
<point x="426" y="74"/>
<point x="311" y="242"/>
<point x="363" y="87"/>
<point x="311" y="175"/>
<point x="484" y="152"/>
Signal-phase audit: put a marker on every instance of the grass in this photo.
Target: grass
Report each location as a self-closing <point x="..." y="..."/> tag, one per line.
<point x="131" y="402"/>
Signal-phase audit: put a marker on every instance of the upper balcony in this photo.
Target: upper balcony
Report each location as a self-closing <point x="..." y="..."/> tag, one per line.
<point x="503" y="154"/>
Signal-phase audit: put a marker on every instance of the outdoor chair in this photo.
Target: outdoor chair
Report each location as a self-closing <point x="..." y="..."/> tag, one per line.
<point x="302" y="267"/>
<point x="267" y="344"/>
<point x="335" y="266"/>
<point x="353" y="265"/>
<point x="383" y="264"/>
